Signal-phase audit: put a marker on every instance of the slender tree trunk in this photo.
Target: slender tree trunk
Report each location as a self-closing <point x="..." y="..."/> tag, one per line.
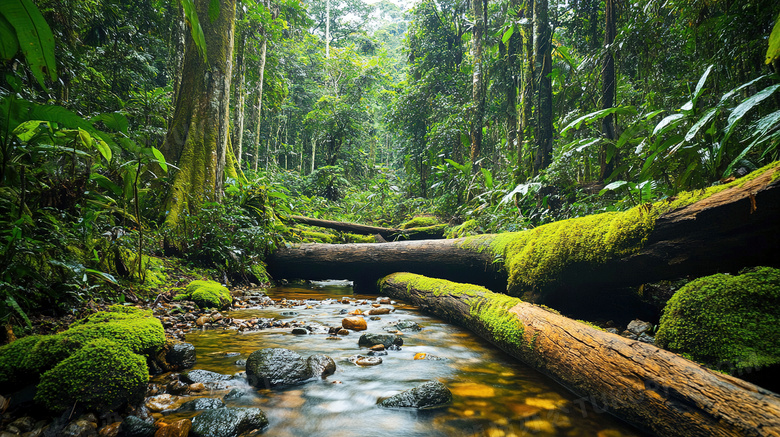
<point x="240" y="97"/>
<point x="259" y="105"/>
<point x="527" y="96"/>
<point x="478" y="81"/>
<point x="607" y="163"/>
<point x="543" y="67"/>
<point x="178" y="44"/>
<point x="197" y="137"/>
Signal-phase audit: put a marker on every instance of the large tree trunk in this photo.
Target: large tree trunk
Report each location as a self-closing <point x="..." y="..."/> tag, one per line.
<point x="607" y="163"/>
<point x="197" y="137"/>
<point x="259" y="105"/>
<point x="650" y="387"/>
<point x="731" y="229"/>
<point x="240" y="91"/>
<point x="479" y="80"/>
<point x="543" y="64"/>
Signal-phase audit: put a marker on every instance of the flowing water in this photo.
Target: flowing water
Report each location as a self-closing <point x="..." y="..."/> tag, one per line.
<point x="493" y="394"/>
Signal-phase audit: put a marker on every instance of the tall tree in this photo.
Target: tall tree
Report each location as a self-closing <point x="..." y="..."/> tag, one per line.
<point x="479" y="79"/>
<point x="543" y="68"/>
<point x="607" y="162"/>
<point x="527" y="89"/>
<point x="240" y="88"/>
<point x="197" y="137"/>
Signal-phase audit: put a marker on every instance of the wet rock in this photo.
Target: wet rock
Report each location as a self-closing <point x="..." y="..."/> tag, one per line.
<point x="404" y="325"/>
<point x="228" y="422"/>
<point x="428" y="395"/>
<point x="300" y="331"/>
<point x="638" y="326"/>
<point x="179" y="428"/>
<point x="110" y="430"/>
<point x="162" y="402"/>
<point x="363" y="361"/>
<point x="613" y="331"/>
<point x="332" y="338"/>
<point x="177" y="387"/>
<point x="377" y="353"/>
<point x="321" y="365"/>
<point x="646" y="338"/>
<point x="232" y="354"/>
<point x="343" y="332"/>
<point x="374" y="318"/>
<point x="23" y="424"/>
<point x="630" y="335"/>
<point x="233" y="395"/>
<point x="378" y="347"/>
<point x="201" y="404"/>
<point x="383" y="300"/>
<point x="204" y="376"/>
<point x="202" y="320"/>
<point x="386" y="340"/>
<point x="80" y="428"/>
<point x="354" y="323"/>
<point x="134" y="426"/>
<point x="288" y="313"/>
<point x="425" y="356"/>
<point x="196" y="387"/>
<point x="378" y="311"/>
<point x="241" y="363"/>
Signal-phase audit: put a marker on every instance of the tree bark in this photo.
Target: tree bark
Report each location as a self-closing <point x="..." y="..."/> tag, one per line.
<point x="197" y="137"/>
<point x="735" y="228"/>
<point x="607" y="163"/>
<point x="527" y="97"/>
<point x="479" y="80"/>
<point x="652" y="388"/>
<point x="259" y="105"/>
<point x="386" y="233"/>
<point x="240" y="96"/>
<point x="543" y="68"/>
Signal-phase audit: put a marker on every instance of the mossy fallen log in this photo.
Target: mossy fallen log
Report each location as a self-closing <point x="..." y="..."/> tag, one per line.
<point x="389" y="234"/>
<point x="652" y="388"/>
<point x="722" y="228"/>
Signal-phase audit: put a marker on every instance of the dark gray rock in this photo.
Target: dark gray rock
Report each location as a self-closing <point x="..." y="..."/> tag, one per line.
<point x="646" y="338"/>
<point x="639" y="327"/>
<point x="387" y="340"/>
<point x="181" y="356"/>
<point x="134" y="426"/>
<point x="201" y="404"/>
<point x="204" y="376"/>
<point x="405" y="325"/>
<point x="228" y="422"/>
<point x="233" y="395"/>
<point x="300" y="331"/>
<point x="275" y="367"/>
<point x="431" y="394"/>
<point x="79" y="428"/>
<point x="241" y="363"/>
<point x="321" y="365"/>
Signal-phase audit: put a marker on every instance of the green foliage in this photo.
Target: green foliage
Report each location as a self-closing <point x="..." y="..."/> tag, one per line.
<point x="419" y="222"/>
<point x="24" y="27"/>
<point x="102" y="375"/>
<point x="206" y="294"/>
<point x="726" y="322"/>
<point x="13" y="357"/>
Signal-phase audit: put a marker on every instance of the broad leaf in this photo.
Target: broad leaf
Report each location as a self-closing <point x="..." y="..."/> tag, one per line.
<point x="588" y="118"/>
<point x="613" y="186"/>
<point x="160" y="159"/>
<point x="700" y="85"/>
<point x="700" y="123"/>
<point x="763" y="126"/>
<point x="729" y="94"/>
<point x="104" y="150"/>
<point x="508" y="34"/>
<point x="9" y="44"/>
<point x="34" y="37"/>
<point x="522" y="190"/>
<point x="666" y="123"/>
<point x="773" y="51"/>
<point x="488" y="178"/>
<point x="195" y="29"/>
<point x="113" y="120"/>
<point x="744" y="107"/>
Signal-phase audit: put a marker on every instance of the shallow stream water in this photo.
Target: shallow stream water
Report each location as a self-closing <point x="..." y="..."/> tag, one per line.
<point x="493" y="394"/>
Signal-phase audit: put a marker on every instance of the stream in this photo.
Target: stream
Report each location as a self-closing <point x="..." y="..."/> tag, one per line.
<point x="493" y="394"/>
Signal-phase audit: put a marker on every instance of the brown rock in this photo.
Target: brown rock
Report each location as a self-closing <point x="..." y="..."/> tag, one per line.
<point x="356" y="312"/>
<point x="354" y="323"/>
<point x="180" y="428"/>
<point x="111" y="430"/>
<point x="342" y="331"/>
<point x="378" y="311"/>
<point x="375" y="305"/>
<point x="196" y="387"/>
<point x="379" y="347"/>
<point x="202" y="320"/>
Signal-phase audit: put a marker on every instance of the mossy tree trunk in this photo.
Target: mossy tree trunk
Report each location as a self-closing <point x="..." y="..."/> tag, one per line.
<point x="197" y="137"/>
<point x="240" y="93"/>
<point x="654" y="389"/>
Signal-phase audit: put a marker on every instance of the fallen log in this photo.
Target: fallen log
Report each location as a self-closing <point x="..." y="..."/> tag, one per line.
<point x="652" y="388"/>
<point x="390" y="234"/>
<point x="721" y="229"/>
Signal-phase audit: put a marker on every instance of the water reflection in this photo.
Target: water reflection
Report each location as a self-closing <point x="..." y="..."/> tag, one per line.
<point x="493" y="394"/>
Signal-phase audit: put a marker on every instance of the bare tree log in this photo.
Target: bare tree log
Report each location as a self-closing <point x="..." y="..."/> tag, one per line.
<point x="652" y="388"/>
<point x="695" y="234"/>
<point x="430" y="232"/>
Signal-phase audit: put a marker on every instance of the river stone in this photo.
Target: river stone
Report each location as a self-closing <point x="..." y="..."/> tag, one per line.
<point x="354" y="323"/>
<point x="80" y="428"/>
<point x="134" y="426"/>
<point x="321" y="365"/>
<point x="407" y="325"/>
<point x="233" y="395"/>
<point x="273" y="367"/>
<point x="378" y="311"/>
<point x="179" y="428"/>
<point x="639" y="327"/>
<point x="428" y="395"/>
<point x="363" y="361"/>
<point x="228" y="422"/>
<point x="204" y="376"/>
<point x="201" y="404"/>
<point x="181" y="355"/>
<point x="387" y="340"/>
<point x="300" y="331"/>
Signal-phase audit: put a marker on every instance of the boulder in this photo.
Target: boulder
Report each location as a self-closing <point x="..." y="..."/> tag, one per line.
<point x="134" y="426"/>
<point x="387" y="340"/>
<point x="181" y="356"/>
<point x="431" y="394"/>
<point x="639" y="327"/>
<point x="321" y="365"/>
<point x="179" y="428"/>
<point x="201" y="404"/>
<point x="206" y="294"/>
<point x="204" y="376"/>
<point x="363" y="361"/>
<point x="228" y="422"/>
<point x="274" y="367"/>
<point x="354" y="323"/>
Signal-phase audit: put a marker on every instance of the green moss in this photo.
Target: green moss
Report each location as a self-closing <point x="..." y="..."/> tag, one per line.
<point x="356" y="238"/>
<point x="12" y="359"/>
<point x="206" y="294"/>
<point x="102" y="375"/>
<point x="260" y="272"/>
<point x="726" y="322"/>
<point x="467" y="228"/>
<point x="534" y="258"/>
<point x="132" y="328"/>
<point x="317" y="237"/>
<point x="420" y="222"/>
<point x="491" y="310"/>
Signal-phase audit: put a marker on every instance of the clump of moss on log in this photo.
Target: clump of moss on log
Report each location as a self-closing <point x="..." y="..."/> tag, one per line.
<point x="534" y="258"/>
<point x="206" y="294"/>
<point x="490" y="310"/>
<point x="728" y="323"/>
<point x="465" y="229"/>
<point x="420" y="222"/>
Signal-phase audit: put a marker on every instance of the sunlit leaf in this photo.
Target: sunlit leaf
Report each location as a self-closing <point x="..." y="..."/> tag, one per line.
<point x="773" y="51"/>
<point x="700" y="85"/>
<point x="521" y="190"/>
<point x="588" y="118"/>
<point x="700" y="123"/>
<point x="613" y="186"/>
<point x="508" y="34"/>
<point x="744" y="107"/>
<point x="191" y="16"/>
<point x="666" y="123"/>
<point x="160" y="159"/>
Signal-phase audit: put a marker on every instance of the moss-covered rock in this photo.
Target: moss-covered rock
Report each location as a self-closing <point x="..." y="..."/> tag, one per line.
<point x="135" y="329"/>
<point x="420" y="222"/>
<point x="12" y="360"/>
<point x="103" y="375"/>
<point x="535" y="258"/>
<point x="206" y="294"/>
<point x="726" y="322"/>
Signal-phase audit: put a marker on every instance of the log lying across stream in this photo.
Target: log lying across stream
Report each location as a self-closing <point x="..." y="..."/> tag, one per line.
<point x="652" y="388"/>
<point x="723" y="229"/>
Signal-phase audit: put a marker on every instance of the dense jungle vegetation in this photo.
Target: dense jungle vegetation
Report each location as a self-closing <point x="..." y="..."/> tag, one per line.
<point x="144" y="141"/>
